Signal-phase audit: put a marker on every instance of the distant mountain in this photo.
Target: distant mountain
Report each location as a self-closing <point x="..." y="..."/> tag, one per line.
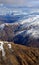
<point x="10" y="18"/>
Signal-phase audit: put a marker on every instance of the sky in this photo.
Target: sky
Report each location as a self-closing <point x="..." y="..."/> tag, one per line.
<point x="29" y="3"/>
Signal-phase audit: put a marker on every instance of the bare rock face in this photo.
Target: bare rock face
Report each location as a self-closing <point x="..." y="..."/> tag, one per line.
<point x="15" y="54"/>
<point x="7" y="31"/>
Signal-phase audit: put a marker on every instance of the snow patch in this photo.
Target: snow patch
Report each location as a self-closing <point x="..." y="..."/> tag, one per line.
<point x="2" y="49"/>
<point x="9" y="45"/>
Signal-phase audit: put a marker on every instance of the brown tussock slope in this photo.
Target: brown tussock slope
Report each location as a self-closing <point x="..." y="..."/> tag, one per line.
<point x="19" y="55"/>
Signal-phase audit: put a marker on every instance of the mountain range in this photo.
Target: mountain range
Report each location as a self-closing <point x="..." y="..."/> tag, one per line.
<point x="25" y="32"/>
<point x="19" y="36"/>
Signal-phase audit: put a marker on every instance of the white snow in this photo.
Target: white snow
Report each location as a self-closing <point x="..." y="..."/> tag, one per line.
<point x="2" y="49"/>
<point x="30" y="19"/>
<point x="2" y="26"/>
<point x="9" y="45"/>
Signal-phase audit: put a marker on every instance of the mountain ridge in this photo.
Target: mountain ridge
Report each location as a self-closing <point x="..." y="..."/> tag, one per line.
<point x="28" y="35"/>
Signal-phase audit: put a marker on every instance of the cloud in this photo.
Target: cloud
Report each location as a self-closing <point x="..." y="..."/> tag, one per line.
<point x="29" y="3"/>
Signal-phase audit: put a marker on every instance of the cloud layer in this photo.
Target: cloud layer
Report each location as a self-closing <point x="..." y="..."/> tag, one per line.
<point x="21" y="2"/>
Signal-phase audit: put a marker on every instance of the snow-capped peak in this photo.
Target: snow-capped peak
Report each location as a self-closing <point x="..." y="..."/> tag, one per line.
<point x="30" y="19"/>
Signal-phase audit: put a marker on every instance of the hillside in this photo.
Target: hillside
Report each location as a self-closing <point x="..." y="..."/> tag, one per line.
<point x="14" y="54"/>
<point x="27" y="34"/>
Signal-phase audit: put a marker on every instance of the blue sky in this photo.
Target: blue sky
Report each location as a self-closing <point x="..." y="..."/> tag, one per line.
<point x="29" y="3"/>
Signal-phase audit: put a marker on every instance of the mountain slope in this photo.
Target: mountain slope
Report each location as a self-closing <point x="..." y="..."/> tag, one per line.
<point x="18" y="55"/>
<point x="28" y="35"/>
<point x="27" y="31"/>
